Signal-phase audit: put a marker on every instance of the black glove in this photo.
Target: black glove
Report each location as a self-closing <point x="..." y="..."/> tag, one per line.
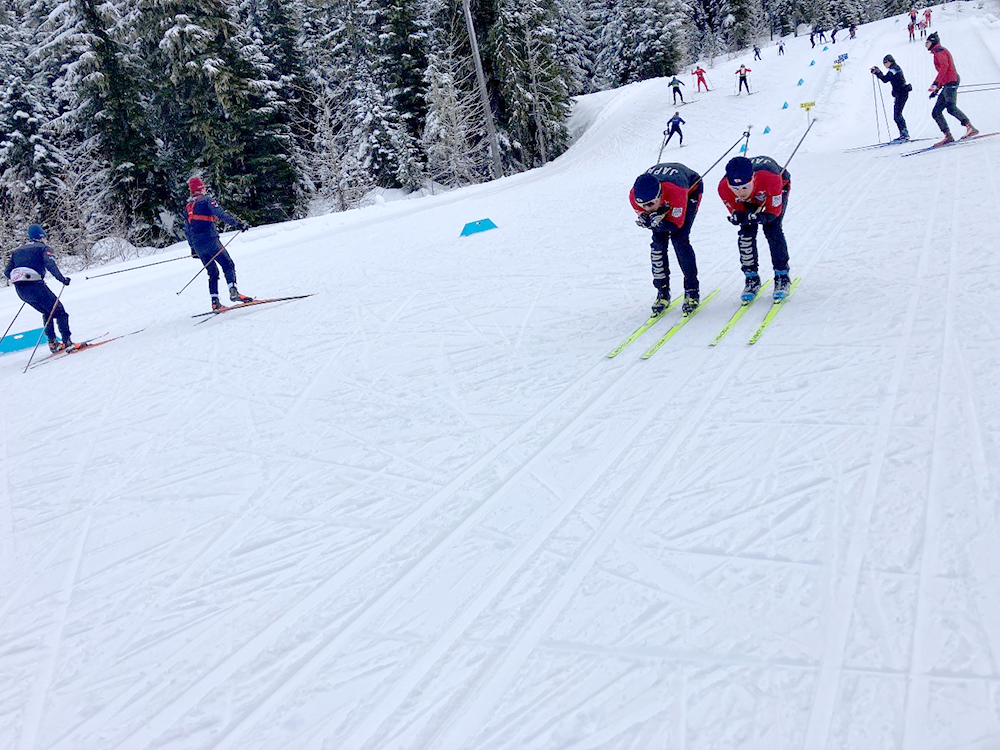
<point x="195" y="255"/>
<point x="752" y="218"/>
<point x="874" y="69"/>
<point x="66" y="281"/>
<point x="656" y="218"/>
<point x="644" y="220"/>
<point x="243" y="226"/>
<point x="734" y="219"/>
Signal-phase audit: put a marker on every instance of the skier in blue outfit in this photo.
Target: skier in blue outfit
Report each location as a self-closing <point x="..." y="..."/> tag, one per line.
<point x="203" y="211"/>
<point x="900" y="92"/>
<point x="26" y="268"/>
<point x="674" y="126"/>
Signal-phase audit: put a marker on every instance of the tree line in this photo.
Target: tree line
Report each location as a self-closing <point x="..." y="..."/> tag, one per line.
<point x="289" y="108"/>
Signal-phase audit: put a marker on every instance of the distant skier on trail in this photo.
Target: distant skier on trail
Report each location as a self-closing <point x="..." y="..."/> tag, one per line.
<point x="756" y="52"/>
<point x="675" y="86"/>
<point x="945" y="88"/>
<point x="666" y="199"/>
<point x="26" y="269"/>
<point x="203" y="211"/>
<point x="742" y="73"/>
<point x="756" y="192"/>
<point x="900" y="92"/>
<point x="700" y="72"/>
<point x="674" y="126"/>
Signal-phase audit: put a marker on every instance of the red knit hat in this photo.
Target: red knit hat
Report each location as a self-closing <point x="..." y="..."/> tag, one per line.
<point x="196" y="186"/>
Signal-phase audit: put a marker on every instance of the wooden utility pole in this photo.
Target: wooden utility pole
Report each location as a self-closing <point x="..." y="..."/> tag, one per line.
<point x="491" y="129"/>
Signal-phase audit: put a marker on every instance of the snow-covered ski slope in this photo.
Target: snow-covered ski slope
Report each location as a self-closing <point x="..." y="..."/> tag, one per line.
<point x="421" y="509"/>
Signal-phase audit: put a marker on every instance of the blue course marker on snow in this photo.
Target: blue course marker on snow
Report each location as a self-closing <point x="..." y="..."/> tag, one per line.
<point x="785" y="105"/>
<point x="17" y="341"/>
<point x="477" y="226"/>
<point x="812" y="63"/>
<point x="825" y="49"/>
<point x="801" y="81"/>
<point x="766" y="130"/>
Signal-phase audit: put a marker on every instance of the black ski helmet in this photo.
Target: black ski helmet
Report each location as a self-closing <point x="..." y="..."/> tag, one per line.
<point x="889" y="59"/>
<point x="933" y="39"/>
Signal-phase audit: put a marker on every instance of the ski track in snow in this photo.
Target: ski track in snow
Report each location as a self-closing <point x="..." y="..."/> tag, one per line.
<point x="422" y="510"/>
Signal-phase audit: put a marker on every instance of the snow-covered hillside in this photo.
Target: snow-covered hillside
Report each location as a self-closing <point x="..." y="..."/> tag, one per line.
<point x="422" y="509"/>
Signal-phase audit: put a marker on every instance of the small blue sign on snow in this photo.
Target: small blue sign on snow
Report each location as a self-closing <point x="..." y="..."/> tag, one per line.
<point x="477" y="226"/>
<point x="17" y="341"/>
<point x="813" y="62"/>
<point x="766" y="130"/>
<point x="785" y="105"/>
<point x="800" y="82"/>
<point x="825" y="49"/>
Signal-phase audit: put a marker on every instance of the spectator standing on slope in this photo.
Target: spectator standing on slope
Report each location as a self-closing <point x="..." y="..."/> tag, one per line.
<point x="742" y="73"/>
<point x="674" y="126"/>
<point x="203" y="211"/>
<point x="26" y="269"/>
<point x="675" y="86"/>
<point x="945" y="88"/>
<point x="700" y="72"/>
<point x="755" y="191"/>
<point x="900" y="92"/>
<point x="666" y="199"/>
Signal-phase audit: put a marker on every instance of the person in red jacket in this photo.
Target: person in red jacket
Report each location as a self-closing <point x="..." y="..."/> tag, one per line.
<point x="203" y="212"/>
<point x="666" y="199"/>
<point x="742" y="73"/>
<point x="700" y="72"/>
<point x="755" y="191"/>
<point x="945" y="88"/>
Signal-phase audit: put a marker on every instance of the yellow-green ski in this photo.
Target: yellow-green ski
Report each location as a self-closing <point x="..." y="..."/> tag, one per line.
<point x="642" y="329"/>
<point x="677" y="326"/>
<point x="739" y="314"/>
<point x="773" y="311"/>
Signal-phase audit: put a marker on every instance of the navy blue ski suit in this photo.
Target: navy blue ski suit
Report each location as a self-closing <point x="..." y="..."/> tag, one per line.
<point x="203" y="211"/>
<point x="26" y="268"/>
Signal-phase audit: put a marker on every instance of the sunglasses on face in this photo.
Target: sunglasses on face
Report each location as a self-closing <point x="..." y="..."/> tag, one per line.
<point x="647" y="204"/>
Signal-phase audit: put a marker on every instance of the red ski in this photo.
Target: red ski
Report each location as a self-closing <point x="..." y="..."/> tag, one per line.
<point x="241" y="305"/>
<point x="79" y="347"/>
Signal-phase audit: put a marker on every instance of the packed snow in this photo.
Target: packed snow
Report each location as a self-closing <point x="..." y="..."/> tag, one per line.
<point x="422" y="508"/>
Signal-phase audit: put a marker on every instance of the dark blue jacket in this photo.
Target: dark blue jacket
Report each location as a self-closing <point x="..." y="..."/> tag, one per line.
<point x="675" y="122"/>
<point x="38" y="257"/>
<point x="894" y="75"/>
<point x="203" y="211"/>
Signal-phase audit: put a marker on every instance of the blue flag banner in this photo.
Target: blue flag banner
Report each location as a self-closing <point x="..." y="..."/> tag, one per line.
<point x="477" y="226"/>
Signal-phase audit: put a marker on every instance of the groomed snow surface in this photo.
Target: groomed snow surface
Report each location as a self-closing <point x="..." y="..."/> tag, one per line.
<point x="422" y="509"/>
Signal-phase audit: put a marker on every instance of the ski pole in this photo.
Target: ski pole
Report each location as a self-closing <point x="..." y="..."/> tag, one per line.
<point x="662" y="146"/>
<point x="813" y="122"/>
<point x="134" y="268"/>
<point x="878" y="125"/>
<point x="701" y="177"/>
<point x="884" y="114"/>
<point x="12" y="322"/>
<point x="206" y="265"/>
<point x="47" y="321"/>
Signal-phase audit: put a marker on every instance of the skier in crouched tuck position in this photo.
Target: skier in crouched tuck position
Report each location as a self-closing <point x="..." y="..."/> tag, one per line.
<point x="755" y="191"/>
<point x="203" y="211"/>
<point x="666" y="199"/>
<point x="26" y="269"/>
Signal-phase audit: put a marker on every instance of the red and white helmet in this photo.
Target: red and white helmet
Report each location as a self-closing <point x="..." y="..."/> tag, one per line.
<point x="196" y="186"/>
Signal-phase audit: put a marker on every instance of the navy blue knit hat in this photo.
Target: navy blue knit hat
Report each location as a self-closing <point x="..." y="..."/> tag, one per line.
<point x="739" y="171"/>
<point x="35" y="232"/>
<point x="646" y="188"/>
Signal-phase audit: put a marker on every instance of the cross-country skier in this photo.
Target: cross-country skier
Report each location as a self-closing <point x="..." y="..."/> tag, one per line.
<point x="700" y="72"/>
<point x="203" y="211"/>
<point x="927" y="16"/>
<point x="755" y="191"/>
<point x="675" y="85"/>
<point x="756" y="52"/>
<point x="900" y="92"/>
<point x="26" y="268"/>
<point x="742" y="73"/>
<point x="666" y="199"/>
<point x="674" y="126"/>
<point x="945" y="88"/>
